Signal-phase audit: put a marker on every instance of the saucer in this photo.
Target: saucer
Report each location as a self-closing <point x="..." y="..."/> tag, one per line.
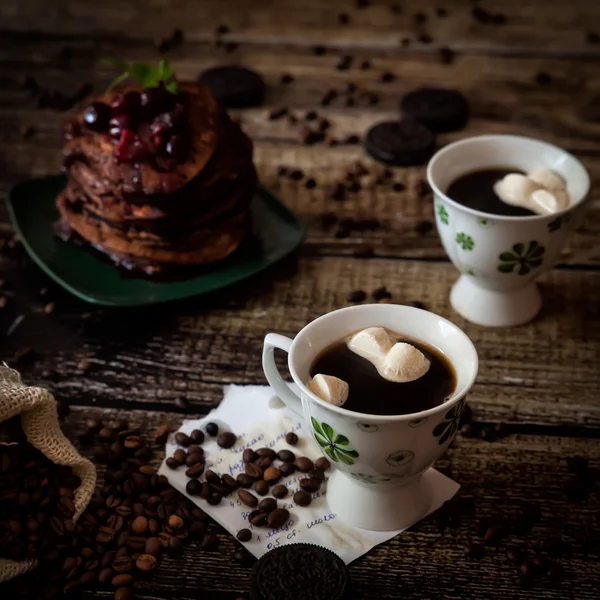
<point x="90" y="276"/>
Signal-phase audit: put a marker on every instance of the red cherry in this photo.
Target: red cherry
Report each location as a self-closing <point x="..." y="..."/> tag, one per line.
<point x="177" y="147"/>
<point x="96" y="116"/>
<point x="158" y="141"/>
<point x="126" y="103"/>
<point x="131" y="148"/>
<point x="156" y="100"/>
<point x="118" y="124"/>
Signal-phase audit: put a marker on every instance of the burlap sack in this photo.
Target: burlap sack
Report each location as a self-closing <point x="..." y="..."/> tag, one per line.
<point x="39" y="419"/>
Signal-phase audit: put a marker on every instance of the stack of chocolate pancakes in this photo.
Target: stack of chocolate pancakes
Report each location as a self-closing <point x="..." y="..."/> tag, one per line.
<point x="157" y="181"/>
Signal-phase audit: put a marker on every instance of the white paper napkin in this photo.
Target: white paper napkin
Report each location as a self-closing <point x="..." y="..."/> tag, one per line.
<point x="260" y="419"/>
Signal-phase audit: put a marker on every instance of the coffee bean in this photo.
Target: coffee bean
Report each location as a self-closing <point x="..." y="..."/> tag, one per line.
<point x="175" y="546"/>
<point x="105" y="535"/>
<point x="175" y="523"/>
<point x="146" y="563"/>
<point x="68" y="564"/>
<point x="66" y="506"/>
<point x="226" y="439"/>
<point x="268" y="505"/>
<point x="139" y="525"/>
<point x="261" y="487"/>
<point x="161" y="434"/>
<point x="526" y="567"/>
<point x="267" y="453"/>
<point x="180" y="455"/>
<point x="310" y="485"/>
<point x="105" y="575"/>
<point x="214" y="499"/>
<point x="302" y="498"/>
<point x="132" y="442"/>
<point x="197" y="436"/>
<point x="122" y="580"/>
<point x="356" y="296"/>
<point x="123" y="564"/>
<point x="286" y="456"/>
<point x="230" y="482"/>
<point x="317" y="475"/>
<point x="539" y="562"/>
<point x="123" y="551"/>
<point x="183" y="439"/>
<point x="322" y="463"/>
<point x="182" y="404"/>
<point x="212" y="429"/>
<point x="279" y="491"/>
<point x="304" y="464"/>
<point x="153" y="546"/>
<point x="488" y="433"/>
<point x="244" y="535"/>
<point x="514" y="556"/>
<point x="291" y="438"/>
<point x="248" y="498"/>
<point x="244" y="480"/>
<point x="249" y="455"/>
<point x="212" y="477"/>
<point x="195" y="471"/>
<point x="172" y="463"/>
<point x="205" y="491"/>
<point x="87" y="578"/>
<point x="253" y="471"/>
<point x="264" y="462"/>
<point x="277" y="518"/>
<point x="123" y="594"/>
<point x="272" y="474"/>
<point x="287" y="469"/>
<point x="210" y="542"/>
<point x="107" y="434"/>
<point x="258" y="518"/>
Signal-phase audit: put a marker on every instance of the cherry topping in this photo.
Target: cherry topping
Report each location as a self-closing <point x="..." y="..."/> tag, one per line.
<point x="131" y="148"/>
<point x="177" y="147"/>
<point x="156" y="100"/>
<point x="118" y="124"/>
<point x="126" y="103"/>
<point x="96" y="116"/>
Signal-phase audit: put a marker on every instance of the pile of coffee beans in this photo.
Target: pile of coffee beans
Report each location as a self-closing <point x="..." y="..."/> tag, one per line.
<point x="36" y="504"/>
<point x="264" y="469"/>
<point x="133" y="519"/>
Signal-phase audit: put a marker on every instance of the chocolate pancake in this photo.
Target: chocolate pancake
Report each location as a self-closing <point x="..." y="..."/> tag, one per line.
<point x="201" y="247"/>
<point x="143" y="178"/>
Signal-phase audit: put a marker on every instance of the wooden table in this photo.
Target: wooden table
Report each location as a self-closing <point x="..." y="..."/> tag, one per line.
<point x="535" y="74"/>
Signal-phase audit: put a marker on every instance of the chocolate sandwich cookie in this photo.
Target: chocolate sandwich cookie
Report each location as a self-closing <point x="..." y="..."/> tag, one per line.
<point x="300" y="572"/>
<point x="234" y="87"/>
<point x="439" y="109"/>
<point x="400" y="143"/>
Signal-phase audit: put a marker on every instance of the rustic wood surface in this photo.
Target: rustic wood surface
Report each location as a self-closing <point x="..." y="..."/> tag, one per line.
<point x="542" y="379"/>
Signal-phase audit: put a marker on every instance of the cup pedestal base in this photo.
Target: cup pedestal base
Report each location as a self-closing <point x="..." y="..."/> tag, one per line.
<point x="378" y="507"/>
<point x="495" y="309"/>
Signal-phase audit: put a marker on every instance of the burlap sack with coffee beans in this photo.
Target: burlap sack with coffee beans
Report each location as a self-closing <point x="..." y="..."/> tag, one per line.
<point x="39" y="420"/>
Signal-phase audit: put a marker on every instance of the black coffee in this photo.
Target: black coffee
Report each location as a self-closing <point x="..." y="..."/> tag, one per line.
<point x="370" y="393"/>
<point x="476" y="190"/>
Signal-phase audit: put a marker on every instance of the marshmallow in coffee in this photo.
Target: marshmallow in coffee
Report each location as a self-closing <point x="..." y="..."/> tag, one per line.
<point x="400" y="362"/>
<point x="542" y="191"/>
<point x="329" y="388"/>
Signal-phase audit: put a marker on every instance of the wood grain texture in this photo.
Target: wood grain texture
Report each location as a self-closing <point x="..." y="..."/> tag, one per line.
<point x="422" y="562"/>
<point x="192" y="348"/>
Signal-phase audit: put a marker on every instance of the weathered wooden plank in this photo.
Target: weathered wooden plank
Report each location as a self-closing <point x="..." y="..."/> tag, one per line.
<point x="544" y="372"/>
<point x="496" y="479"/>
<point x="529" y="28"/>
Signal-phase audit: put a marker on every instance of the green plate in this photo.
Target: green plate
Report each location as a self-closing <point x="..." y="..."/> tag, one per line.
<point x="276" y="233"/>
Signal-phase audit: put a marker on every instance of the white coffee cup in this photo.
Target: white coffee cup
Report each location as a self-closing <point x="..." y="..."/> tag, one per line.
<point x="379" y="459"/>
<point x="499" y="256"/>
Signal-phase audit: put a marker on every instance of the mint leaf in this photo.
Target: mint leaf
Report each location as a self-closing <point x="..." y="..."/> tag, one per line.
<point x="145" y="75"/>
<point x="165" y="70"/>
<point x="173" y="87"/>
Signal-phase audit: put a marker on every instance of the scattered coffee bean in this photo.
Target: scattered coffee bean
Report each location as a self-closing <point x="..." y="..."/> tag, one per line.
<point x="175" y="546"/>
<point x="302" y="498"/>
<point x="514" y="556"/>
<point x="261" y="487"/>
<point x="193" y="458"/>
<point x="310" y="184"/>
<point x="123" y="594"/>
<point x="212" y="429"/>
<point x="474" y="549"/>
<point x="322" y="463"/>
<point x="310" y="485"/>
<point x="267" y="505"/>
<point x="244" y="535"/>
<point x="248" y="498"/>
<point x="543" y="79"/>
<point x="124" y="579"/>
<point x="286" y="456"/>
<point x="303" y="463"/>
<point x="182" y="404"/>
<point x="146" y="563"/>
<point x="343" y="18"/>
<point x="278" y="517"/>
<point x="317" y="475"/>
<point x="258" y="518"/>
<point x="416" y="304"/>
<point x="266" y="453"/>
<point x="329" y="97"/>
<point x="287" y="469"/>
<point x="319" y="50"/>
<point x="226" y="439"/>
<point x="380" y="293"/>
<point x="210" y="542"/>
<point x="183" y="439"/>
<point x="249" y="455"/>
<point x="172" y="463"/>
<point x="244" y="480"/>
<point x="197" y="436"/>
<point x="195" y="471"/>
<point x="253" y="471"/>
<point x="279" y="491"/>
<point x="272" y="474"/>
<point x="214" y="499"/>
<point x="197" y="530"/>
<point x="356" y="296"/>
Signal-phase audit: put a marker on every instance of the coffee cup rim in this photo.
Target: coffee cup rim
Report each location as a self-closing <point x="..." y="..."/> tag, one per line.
<point x="457" y="396"/>
<point x="517" y="139"/>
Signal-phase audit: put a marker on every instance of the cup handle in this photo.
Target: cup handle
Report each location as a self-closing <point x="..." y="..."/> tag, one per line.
<point x="272" y="341"/>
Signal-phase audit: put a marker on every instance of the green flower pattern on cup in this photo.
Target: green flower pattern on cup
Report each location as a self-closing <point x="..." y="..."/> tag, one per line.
<point x="465" y="241"/>
<point x="400" y="458"/>
<point x="418" y="422"/>
<point x="555" y="224"/>
<point x="335" y="445"/>
<point x="374" y="478"/>
<point x="442" y="213"/>
<point x="445" y="430"/>
<point x="485" y="222"/>
<point x="523" y="257"/>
